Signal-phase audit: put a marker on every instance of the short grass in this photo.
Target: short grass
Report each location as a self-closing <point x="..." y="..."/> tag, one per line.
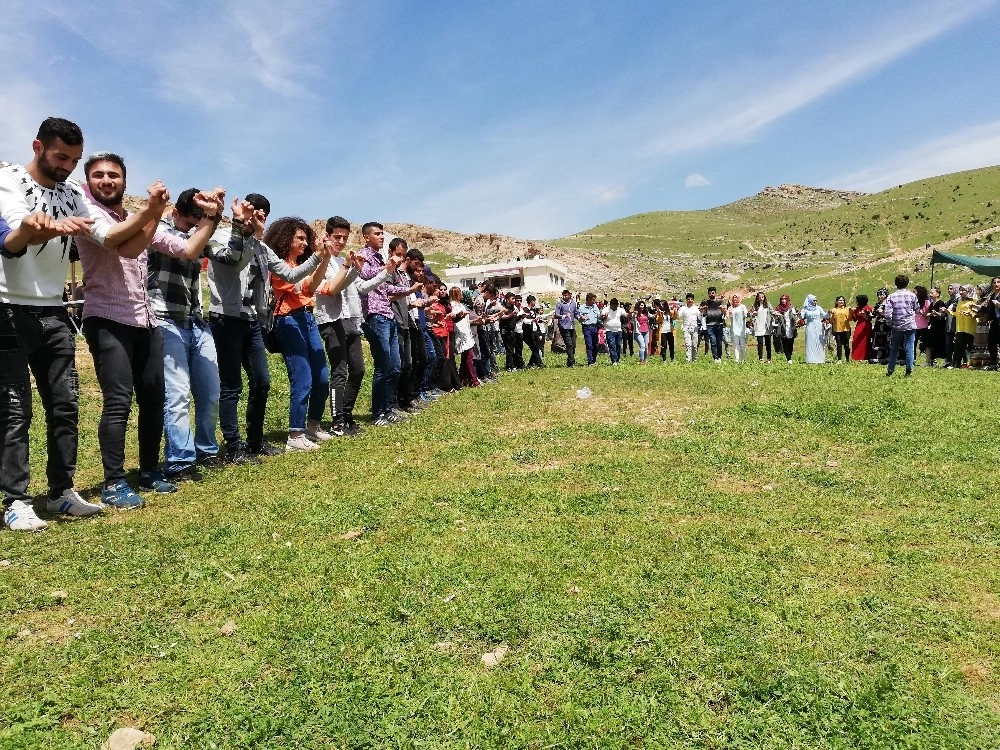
<point x="695" y="556"/>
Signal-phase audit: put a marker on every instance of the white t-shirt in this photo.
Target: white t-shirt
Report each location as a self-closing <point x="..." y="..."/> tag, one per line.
<point x="37" y="276"/>
<point x="690" y="317"/>
<point x="613" y="321"/>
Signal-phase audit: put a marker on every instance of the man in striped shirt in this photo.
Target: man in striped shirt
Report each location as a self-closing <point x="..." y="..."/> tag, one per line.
<point x="901" y="315"/>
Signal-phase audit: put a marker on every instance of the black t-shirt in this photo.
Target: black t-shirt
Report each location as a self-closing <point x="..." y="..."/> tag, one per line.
<point x="713" y="311"/>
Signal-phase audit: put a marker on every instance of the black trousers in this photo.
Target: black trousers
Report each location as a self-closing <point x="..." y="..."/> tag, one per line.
<point x="347" y="369"/>
<point x="127" y="360"/>
<point x="528" y="335"/>
<point x="239" y="346"/>
<point x="962" y="343"/>
<point x="569" y="339"/>
<point x="667" y="342"/>
<point x="843" y="339"/>
<point x="39" y="340"/>
<point x="784" y="346"/>
<point x="762" y="342"/>
<point x="993" y="342"/>
<point x="448" y="379"/>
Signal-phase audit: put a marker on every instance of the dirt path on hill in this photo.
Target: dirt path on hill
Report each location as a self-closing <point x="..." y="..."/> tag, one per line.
<point x="905" y="255"/>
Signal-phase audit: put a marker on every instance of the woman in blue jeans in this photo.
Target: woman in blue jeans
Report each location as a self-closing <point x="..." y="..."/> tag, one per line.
<point x="292" y="239"/>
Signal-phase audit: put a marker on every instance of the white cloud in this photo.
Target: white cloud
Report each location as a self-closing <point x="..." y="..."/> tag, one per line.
<point x="612" y="195"/>
<point x="696" y="180"/>
<point x="969" y="148"/>
<point x="752" y="107"/>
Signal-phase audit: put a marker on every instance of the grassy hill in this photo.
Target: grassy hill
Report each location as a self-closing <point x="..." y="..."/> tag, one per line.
<point x="786" y="235"/>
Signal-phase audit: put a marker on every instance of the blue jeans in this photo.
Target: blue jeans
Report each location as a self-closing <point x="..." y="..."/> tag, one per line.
<point x="381" y="334"/>
<point x="590" y="342"/>
<point x="305" y="360"/>
<point x="614" y="339"/>
<point x="190" y="368"/>
<point x="429" y="380"/>
<point x="714" y="335"/>
<point x="642" y="344"/>
<point x="906" y="338"/>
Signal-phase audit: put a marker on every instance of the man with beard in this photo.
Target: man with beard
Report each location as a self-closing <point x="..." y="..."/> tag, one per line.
<point x="121" y="331"/>
<point x="36" y="336"/>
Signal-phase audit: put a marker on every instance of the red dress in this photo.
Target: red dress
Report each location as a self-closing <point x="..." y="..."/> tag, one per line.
<point x="862" y="337"/>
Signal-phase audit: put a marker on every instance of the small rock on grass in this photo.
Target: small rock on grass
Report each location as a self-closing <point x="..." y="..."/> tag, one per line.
<point x="832" y="464"/>
<point x="59" y="596"/>
<point x="4" y="563"/>
<point x="228" y="629"/>
<point x="494" y="657"/>
<point x="352" y="534"/>
<point x="444" y="646"/>
<point x="128" y="738"/>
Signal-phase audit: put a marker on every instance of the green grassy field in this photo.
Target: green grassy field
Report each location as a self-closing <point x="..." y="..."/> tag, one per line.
<point x="775" y="242"/>
<point x="696" y="556"/>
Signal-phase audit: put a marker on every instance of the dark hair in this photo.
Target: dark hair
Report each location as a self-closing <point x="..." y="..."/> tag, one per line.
<point x="902" y="281"/>
<point x="259" y="202"/>
<point x="712" y="289"/>
<point x="591" y="295"/>
<point x="531" y="298"/>
<point x="840" y="297"/>
<point x="491" y="288"/>
<point x="566" y="291"/>
<point x="861" y="299"/>
<point x="921" y="291"/>
<point x="337" y="222"/>
<point x="103" y="156"/>
<point x="689" y="295"/>
<point x="280" y="234"/>
<point x="756" y="303"/>
<point x="614" y="302"/>
<point x="396" y="242"/>
<point x="185" y="204"/>
<point x="414" y="254"/>
<point x="369" y="225"/>
<point x="56" y="127"/>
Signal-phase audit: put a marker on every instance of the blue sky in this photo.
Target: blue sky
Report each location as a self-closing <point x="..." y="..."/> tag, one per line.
<point x="534" y="119"/>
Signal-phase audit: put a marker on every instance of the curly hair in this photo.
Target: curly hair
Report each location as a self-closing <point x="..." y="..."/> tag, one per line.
<point x="280" y="234"/>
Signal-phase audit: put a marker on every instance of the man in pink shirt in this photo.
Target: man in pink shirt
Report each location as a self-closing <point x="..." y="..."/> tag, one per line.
<point x="121" y="332"/>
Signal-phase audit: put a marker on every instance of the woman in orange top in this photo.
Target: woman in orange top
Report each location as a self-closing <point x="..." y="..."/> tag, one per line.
<point x="292" y="240"/>
<point x="840" y="322"/>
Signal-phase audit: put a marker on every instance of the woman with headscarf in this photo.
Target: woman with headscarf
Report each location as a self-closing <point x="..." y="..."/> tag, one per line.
<point x="784" y="326"/>
<point x="937" y="326"/>
<point x="861" y="314"/>
<point x="880" y="330"/>
<point x="812" y="316"/>
<point x="736" y="316"/>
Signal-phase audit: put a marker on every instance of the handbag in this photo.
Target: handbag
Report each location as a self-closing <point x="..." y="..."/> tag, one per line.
<point x="271" y="343"/>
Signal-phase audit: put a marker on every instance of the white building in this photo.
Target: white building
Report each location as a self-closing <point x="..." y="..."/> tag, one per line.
<point x="538" y="275"/>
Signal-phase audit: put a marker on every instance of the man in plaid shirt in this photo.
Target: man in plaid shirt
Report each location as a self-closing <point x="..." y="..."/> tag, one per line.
<point x="900" y="313"/>
<point x="190" y="362"/>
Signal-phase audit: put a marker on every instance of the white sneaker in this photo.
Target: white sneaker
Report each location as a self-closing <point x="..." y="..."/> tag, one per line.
<point x="299" y="442"/>
<point x="71" y="504"/>
<point x="318" y="434"/>
<point x="20" y="516"/>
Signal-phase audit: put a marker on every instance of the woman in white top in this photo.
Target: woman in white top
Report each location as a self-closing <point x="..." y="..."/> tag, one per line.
<point x="760" y="320"/>
<point x="463" y="340"/>
<point x="737" y="317"/>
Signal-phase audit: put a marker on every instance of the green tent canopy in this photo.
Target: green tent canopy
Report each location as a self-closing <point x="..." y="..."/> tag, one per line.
<point x="985" y="266"/>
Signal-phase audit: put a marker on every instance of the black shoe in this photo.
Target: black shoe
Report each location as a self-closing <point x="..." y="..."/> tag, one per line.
<point x="187" y="474"/>
<point x="264" y="449"/>
<point x="351" y="429"/>
<point x="240" y="457"/>
<point x="211" y="462"/>
<point x="337" y="429"/>
<point x="908" y="373"/>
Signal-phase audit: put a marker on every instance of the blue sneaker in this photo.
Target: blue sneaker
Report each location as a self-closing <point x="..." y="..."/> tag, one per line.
<point x="155" y="481"/>
<point x="121" y="496"/>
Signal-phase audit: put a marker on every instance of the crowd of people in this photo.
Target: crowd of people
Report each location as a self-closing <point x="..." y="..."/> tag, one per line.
<point x="281" y="287"/>
<point x="901" y="324"/>
<point x="273" y="287"/>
